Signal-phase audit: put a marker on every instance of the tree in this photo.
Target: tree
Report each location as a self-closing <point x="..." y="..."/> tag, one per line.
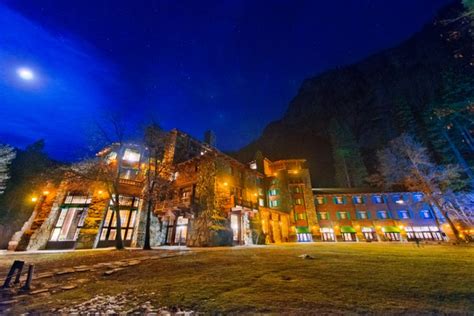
<point x="28" y="173"/>
<point x="404" y="118"/>
<point x="449" y="122"/>
<point x="406" y="163"/>
<point x="105" y="169"/>
<point x="7" y="154"/>
<point x="348" y="163"/>
<point x="158" y="174"/>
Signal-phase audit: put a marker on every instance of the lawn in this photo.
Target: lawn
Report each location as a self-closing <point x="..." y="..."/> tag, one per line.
<point x="360" y="278"/>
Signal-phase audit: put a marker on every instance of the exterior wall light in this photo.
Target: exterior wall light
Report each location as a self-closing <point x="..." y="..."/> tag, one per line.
<point x="45" y="192"/>
<point x="34" y="199"/>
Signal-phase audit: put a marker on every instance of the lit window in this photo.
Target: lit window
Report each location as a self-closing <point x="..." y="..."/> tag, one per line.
<point x="273" y="192"/>
<point x="417" y="197"/>
<point x="297" y="190"/>
<point x="382" y="214"/>
<point x="323" y="215"/>
<point x="338" y="200"/>
<point x="274" y="203"/>
<point x="301" y="216"/>
<point x="131" y="155"/>
<point x="377" y="199"/>
<point x="403" y="214"/>
<point x="299" y="201"/>
<point x="358" y="199"/>
<point x="426" y="214"/>
<point x="343" y="215"/>
<point x="362" y="214"/>
<point x="320" y="200"/>
<point x="261" y="202"/>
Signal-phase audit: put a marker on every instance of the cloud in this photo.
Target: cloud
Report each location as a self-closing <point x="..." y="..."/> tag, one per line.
<point x="67" y="92"/>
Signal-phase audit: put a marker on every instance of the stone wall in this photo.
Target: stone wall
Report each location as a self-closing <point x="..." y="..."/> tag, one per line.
<point x="92" y="223"/>
<point x="47" y="214"/>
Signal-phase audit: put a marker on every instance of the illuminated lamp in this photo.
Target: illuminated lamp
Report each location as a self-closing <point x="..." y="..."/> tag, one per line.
<point x="34" y="199"/>
<point x="401" y="226"/>
<point x="226" y="184"/>
<point x="45" y="192"/>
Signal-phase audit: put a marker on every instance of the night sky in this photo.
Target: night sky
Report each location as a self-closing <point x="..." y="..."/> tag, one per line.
<point x="229" y="66"/>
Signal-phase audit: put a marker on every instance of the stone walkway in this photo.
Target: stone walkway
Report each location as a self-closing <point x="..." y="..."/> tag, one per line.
<point x="68" y="278"/>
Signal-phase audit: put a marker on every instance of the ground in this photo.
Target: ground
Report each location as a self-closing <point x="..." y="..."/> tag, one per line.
<point x="361" y="278"/>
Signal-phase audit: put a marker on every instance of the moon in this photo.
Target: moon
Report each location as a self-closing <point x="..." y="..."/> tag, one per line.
<point x="25" y="73"/>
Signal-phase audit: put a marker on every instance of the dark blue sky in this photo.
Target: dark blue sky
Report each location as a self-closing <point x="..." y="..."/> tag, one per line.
<point x="230" y="66"/>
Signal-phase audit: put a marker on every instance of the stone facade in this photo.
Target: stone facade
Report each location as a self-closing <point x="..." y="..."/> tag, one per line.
<point x="214" y="200"/>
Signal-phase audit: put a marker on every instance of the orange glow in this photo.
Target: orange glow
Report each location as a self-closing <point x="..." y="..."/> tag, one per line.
<point x="45" y="192"/>
<point x="401" y="226"/>
<point x="34" y="199"/>
<point x="226" y="184"/>
<point x="100" y="192"/>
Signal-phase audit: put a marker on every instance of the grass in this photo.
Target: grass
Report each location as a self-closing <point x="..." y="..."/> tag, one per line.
<point x="360" y="278"/>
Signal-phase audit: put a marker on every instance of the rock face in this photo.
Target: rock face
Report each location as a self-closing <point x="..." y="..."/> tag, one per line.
<point x="363" y="95"/>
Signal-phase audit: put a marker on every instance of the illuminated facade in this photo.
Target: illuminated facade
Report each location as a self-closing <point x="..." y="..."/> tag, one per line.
<point x="215" y="200"/>
<point x="260" y="202"/>
<point x="357" y="215"/>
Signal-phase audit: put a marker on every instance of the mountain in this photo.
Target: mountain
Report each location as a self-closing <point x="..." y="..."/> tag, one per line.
<point x="363" y="96"/>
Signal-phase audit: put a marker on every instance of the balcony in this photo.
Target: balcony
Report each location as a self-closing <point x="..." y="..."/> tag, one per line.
<point x="245" y="203"/>
<point x="176" y="203"/>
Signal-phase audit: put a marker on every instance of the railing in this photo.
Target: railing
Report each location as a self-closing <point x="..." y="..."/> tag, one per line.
<point x="174" y="203"/>
<point x="130" y="182"/>
<point x="245" y="203"/>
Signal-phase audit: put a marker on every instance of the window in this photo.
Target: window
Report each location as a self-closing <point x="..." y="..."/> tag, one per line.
<point x="273" y="192"/>
<point x="323" y="215"/>
<point x="382" y="214"/>
<point x="339" y="200"/>
<point x="296" y="190"/>
<point x="417" y="197"/>
<point x="426" y="214"/>
<point x="362" y="215"/>
<point x="261" y="202"/>
<point x="358" y="199"/>
<point x="397" y="198"/>
<point x="71" y="218"/>
<point x="131" y="155"/>
<point x="343" y="215"/>
<point x="320" y="200"/>
<point x="301" y="216"/>
<point x="299" y="201"/>
<point x="128" y="212"/>
<point x="274" y="203"/>
<point x="377" y="199"/>
<point x="403" y="214"/>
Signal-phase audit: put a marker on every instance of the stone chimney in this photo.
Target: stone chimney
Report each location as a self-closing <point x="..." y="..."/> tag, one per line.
<point x="210" y="138"/>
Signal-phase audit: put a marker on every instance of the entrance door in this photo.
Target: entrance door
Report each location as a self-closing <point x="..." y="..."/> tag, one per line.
<point x="349" y="237"/>
<point x="393" y="236"/>
<point x="235" y="224"/>
<point x="181" y="231"/>
<point x="370" y="236"/>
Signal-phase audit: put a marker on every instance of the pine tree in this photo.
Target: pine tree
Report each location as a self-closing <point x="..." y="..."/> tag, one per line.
<point x="450" y="121"/>
<point x="348" y="163"/>
<point x="404" y="118"/>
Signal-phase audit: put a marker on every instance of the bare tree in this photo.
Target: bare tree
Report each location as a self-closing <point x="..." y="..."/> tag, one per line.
<point x="158" y="174"/>
<point x="7" y="154"/>
<point x="406" y="163"/>
<point x="104" y="170"/>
